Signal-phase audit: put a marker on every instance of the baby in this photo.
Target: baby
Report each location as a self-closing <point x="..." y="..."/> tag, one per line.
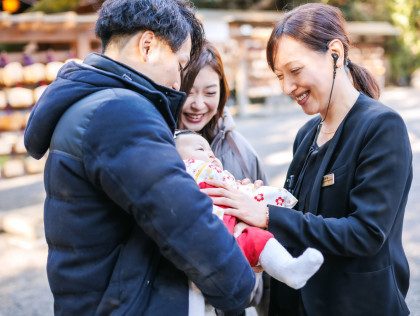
<point x="259" y="246"/>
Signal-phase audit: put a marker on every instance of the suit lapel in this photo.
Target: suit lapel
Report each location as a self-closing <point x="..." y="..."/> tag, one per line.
<point x="316" y="189"/>
<point x="302" y="150"/>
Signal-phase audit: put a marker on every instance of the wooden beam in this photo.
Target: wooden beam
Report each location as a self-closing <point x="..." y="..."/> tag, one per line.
<point x="59" y="36"/>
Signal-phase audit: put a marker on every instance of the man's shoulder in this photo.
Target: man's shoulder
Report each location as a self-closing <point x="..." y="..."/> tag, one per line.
<point x="124" y="93"/>
<point x="118" y="99"/>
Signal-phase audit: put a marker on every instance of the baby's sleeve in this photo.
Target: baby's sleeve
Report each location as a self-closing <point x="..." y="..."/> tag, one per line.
<point x="270" y="195"/>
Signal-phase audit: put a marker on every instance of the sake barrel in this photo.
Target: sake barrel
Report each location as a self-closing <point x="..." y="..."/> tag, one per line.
<point x="12" y="74"/>
<point x="51" y="70"/>
<point x="38" y="91"/>
<point x="19" y="97"/>
<point x="33" y="74"/>
<point x="3" y="101"/>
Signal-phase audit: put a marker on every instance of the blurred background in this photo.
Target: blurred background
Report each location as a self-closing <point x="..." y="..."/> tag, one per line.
<point x="38" y="37"/>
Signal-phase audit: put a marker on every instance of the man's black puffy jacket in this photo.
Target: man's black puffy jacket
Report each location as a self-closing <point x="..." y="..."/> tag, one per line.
<point x="125" y="224"/>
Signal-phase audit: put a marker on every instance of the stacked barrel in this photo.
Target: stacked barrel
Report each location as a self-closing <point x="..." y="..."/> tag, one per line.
<point x="21" y="85"/>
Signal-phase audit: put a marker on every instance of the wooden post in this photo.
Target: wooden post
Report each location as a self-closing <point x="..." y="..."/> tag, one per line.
<point x="241" y="82"/>
<point x="83" y="45"/>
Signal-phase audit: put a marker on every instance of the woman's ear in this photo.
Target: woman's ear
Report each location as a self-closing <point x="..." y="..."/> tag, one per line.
<point x="336" y="47"/>
<point x="146" y="42"/>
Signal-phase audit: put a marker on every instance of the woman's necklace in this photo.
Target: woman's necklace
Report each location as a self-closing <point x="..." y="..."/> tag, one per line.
<point x="325" y="136"/>
<point x="328" y="132"/>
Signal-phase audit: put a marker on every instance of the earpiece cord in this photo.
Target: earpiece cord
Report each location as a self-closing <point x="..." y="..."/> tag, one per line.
<point x="329" y="101"/>
<point x="328" y="106"/>
<point x="290" y="183"/>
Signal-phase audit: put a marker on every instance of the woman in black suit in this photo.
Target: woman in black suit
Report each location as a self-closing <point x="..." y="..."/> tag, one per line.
<point x="351" y="172"/>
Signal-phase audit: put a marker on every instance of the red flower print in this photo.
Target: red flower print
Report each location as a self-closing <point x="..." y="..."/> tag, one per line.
<point x="280" y="201"/>
<point x="259" y="197"/>
<point x="189" y="162"/>
<point x="215" y="168"/>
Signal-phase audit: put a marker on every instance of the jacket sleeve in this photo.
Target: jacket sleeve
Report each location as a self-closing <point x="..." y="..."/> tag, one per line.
<point x="130" y="155"/>
<point x="381" y="182"/>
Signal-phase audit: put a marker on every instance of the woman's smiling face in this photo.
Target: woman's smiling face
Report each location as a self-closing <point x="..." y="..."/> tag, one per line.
<point x="202" y="101"/>
<point x="304" y="74"/>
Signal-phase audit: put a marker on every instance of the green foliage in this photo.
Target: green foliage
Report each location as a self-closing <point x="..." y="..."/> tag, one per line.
<point x="245" y="4"/>
<point x="12" y="47"/>
<point x="216" y="4"/>
<point x="405" y="49"/>
<point x="56" y="6"/>
<point x="401" y="62"/>
<point x="361" y="10"/>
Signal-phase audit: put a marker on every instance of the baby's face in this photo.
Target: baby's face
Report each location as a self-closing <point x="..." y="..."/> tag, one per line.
<point x="193" y="146"/>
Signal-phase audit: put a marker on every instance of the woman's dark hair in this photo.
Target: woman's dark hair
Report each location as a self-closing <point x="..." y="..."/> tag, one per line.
<point x="316" y="25"/>
<point x="209" y="57"/>
<point x="171" y="21"/>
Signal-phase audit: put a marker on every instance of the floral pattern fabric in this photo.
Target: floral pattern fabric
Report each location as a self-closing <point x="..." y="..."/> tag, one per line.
<point x="201" y="171"/>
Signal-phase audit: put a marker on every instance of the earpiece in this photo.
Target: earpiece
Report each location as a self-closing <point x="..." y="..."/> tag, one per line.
<point x="335" y="57"/>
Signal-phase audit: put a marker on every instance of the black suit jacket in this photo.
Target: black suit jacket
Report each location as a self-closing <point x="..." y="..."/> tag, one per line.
<point x="356" y="222"/>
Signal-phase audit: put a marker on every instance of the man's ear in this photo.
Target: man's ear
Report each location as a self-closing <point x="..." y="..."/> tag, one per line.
<point x="146" y="42"/>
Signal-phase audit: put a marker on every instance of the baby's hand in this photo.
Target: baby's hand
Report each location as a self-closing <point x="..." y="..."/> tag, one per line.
<point x="217" y="163"/>
<point x="237" y="230"/>
<point x="257" y="183"/>
<point x="258" y="269"/>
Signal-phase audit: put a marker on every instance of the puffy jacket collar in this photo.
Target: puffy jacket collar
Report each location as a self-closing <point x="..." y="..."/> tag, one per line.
<point x="102" y="62"/>
<point x="76" y="81"/>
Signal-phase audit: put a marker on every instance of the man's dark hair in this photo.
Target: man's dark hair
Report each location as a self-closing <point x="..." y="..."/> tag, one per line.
<point x="170" y="20"/>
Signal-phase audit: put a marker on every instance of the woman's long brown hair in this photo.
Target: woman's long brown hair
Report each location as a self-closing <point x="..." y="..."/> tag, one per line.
<point x="316" y="25"/>
<point x="209" y="57"/>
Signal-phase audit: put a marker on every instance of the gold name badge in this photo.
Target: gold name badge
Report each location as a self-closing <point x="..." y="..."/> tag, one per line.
<point x="328" y="180"/>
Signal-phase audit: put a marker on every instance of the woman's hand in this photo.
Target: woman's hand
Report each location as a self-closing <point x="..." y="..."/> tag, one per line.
<point x="238" y="204"/>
